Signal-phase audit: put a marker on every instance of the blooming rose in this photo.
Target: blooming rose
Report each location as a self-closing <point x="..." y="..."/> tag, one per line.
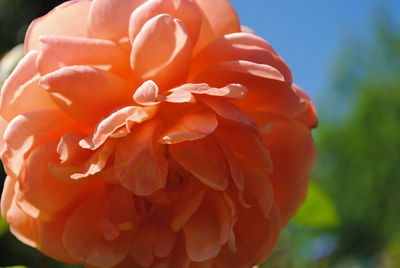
<point x="152" y="134"/>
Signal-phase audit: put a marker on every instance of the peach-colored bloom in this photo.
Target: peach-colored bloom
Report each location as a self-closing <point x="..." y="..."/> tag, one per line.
<point x="152" y="133"/>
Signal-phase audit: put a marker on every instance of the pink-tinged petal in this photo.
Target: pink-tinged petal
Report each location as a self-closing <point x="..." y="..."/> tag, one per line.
<point x="186" y="11"/>
<point x="21" y="92"/>
<point x="309" y="115"/>
<point x="219" y="19"/>
<point x="161" y="52"/>
<point x="292" y="163"/>
<point x="227" y="110"/>
<point x="86" y="93"/>
<point x="39" y="187"/>
<point x="110" y="19"/>
<point x="239" y="67"/>
<point x="180" y="96"/>
<point x="109" y="126"/>
<point x="62" y="51"/>
<point x="140" y="163"/>
<point x="83" y="235"/>
<point x="191" y="197"/>
<point x="147" y="94"/>
<point x="27" y="131"/>
<point x="191" y="127"/>
<point x="231" y="91"/>
<point x="96" y="162"/>
<point x="59" y="22"/>
<point x="22" y="225"/>
<point x="204" y="160"/>
<point x="256" y="238"/>
<point x="240" y="46"/>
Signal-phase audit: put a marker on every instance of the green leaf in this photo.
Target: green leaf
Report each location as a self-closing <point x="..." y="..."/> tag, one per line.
<point x="19" y="266"/>
<point x="318" y="210"/>
<point x="3" y="226"/>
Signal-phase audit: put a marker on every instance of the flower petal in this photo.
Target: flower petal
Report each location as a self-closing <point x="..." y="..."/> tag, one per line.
<point x="256" y="238"/>
<point x="220" y="18"/>
<point x="186" y="11"/>
<point x="202" y="158"/>
<point x="21" y="92"/>
<point x="147" y="94"/>
<point x="110" y="19"/>
<point x="292" y="163"/>
<point x="205" y="232"/>
<point x="83" y="236"/>
<point x="108" y="126"/>
<point x="86" y="93"/>
<point x="240" y="46"/>
<point x="190" y="127"/>
<point x="28" y="131"/>
<point x="56" y="52"/>
<point x="161" y="52"/>
<point x="38" y="187"/>
<point x="22" y="225"/>
<point x="140" y="163"/>
<point x="58" y="22"/>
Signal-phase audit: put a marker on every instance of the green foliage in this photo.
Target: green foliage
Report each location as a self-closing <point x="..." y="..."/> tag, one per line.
<point x="3" y="226"/>
<point x="19" y="266"/>
<point x="318" y="210"/>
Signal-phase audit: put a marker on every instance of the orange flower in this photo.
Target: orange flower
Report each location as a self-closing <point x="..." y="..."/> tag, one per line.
<point x="152" y="134"/>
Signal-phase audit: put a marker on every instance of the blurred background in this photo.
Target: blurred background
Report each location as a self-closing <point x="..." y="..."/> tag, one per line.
<point x="346" y="55"/>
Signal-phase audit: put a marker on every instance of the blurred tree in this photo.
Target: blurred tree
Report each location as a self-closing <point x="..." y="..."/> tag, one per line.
<point x="360" y="153"/>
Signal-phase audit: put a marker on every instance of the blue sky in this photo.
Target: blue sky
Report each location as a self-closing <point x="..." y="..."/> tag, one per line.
<point x="308" y="34"/>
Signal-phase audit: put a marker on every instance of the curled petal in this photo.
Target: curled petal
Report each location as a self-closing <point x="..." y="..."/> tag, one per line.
<point x="147" y="94"/>
<point x="236" y="67"/>
<point x="231" y="91"/>
<point x="161" y="52"/>
<point x="191" y="127"/>
<point x="110" y="19"/>
<point x="96" y="162"/>
<point x="58" y="22"/>
<point x="109" y="126"/>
